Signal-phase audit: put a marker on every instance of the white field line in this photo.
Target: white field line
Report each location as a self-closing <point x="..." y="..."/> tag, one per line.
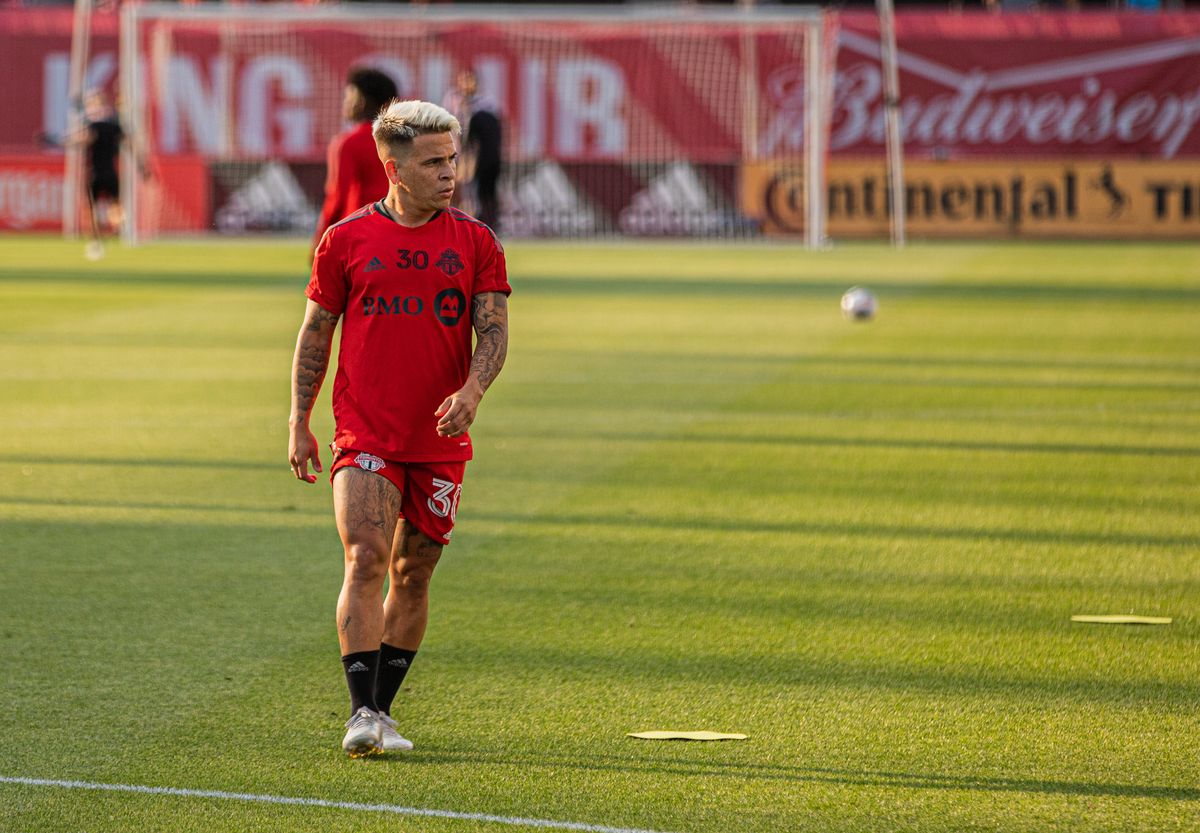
<point x="394" y="809"/>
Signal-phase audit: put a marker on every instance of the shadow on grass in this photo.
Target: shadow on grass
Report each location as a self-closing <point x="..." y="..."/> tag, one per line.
<point x="1041" y="363"/>
<point x="642" y="285"/>
<point x="1049" y="361"/>
<point x="182" y="506"/>
<point x="657" y="285"/>
<point x="37" y="458"/>
<point x="818" y="775"/>
<point x="777" y="439"/>
<point x="855" y="529"/>
<point x="707" y="523"/>
<point x="194" y="279"/>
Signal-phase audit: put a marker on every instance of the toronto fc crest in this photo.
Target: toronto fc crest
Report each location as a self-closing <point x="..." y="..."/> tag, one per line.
<point x="450" y="262"/>
<point x="369" y="462"/>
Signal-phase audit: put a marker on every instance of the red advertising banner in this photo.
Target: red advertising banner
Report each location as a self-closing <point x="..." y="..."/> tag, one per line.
<point x="568" y="91"/>
<point x="35" y="52"/>
<point x="31" y="193"/>
<point x="1095" y="84"/>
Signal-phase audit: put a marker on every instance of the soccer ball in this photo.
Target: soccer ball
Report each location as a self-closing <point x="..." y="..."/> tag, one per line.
<point x="859" y="304"/>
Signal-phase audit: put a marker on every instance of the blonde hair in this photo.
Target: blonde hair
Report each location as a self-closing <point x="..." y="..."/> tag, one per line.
<point x="402" y="121"/>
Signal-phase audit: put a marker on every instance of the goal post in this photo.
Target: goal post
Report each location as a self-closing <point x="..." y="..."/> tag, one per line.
<point x="642" y="121"/>
<point x="74" y="181"/>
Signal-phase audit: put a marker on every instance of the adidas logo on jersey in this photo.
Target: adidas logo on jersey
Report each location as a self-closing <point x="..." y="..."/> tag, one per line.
<point x="357" y="666"/>
<point x="375" y="265"/>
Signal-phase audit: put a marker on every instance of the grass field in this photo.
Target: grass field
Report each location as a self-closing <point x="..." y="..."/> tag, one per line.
<point x="701" y="500"/>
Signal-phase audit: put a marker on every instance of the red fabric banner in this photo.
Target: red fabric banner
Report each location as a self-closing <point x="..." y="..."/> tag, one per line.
<point x="1095" y="84"/>
<point x="973" y="85"/>
<point x="35" y="53"/>
<point x="31" y="193"/>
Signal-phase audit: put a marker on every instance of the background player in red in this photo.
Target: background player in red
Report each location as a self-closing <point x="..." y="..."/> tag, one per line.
<point x="355" y="176"/>
<point x="412" y="280"/>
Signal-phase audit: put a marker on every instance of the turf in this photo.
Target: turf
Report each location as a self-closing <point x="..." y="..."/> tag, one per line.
<point x="701" y="500"/>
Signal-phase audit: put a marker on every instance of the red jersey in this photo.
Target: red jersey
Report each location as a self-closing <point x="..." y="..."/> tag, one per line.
<point x="404" y="295"/>
<point x="355" y="176"/>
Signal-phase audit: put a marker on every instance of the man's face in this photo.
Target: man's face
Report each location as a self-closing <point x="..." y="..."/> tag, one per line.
<point x="425" y="171"/>
<point x="467" y="83"/>
<point x="95" y="107"/>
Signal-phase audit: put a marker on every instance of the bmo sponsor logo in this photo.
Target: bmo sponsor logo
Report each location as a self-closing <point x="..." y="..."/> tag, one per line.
<point x="448" y="306"/>
<point x="31" y="196"/>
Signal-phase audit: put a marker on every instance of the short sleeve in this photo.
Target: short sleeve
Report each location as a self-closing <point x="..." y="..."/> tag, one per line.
<point x="491" y="271"/>
<point x="328" y="285"/>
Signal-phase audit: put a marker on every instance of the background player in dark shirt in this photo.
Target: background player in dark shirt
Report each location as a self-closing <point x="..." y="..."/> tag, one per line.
<point x="355" y="176"/>
<point x="103" y="136"/>
<point x="482" y="147"/>
<point x="400" y="274"/>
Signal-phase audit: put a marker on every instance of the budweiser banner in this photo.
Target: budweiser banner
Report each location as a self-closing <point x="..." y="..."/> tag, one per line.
<point x="1093" y="83"/>
<point x="991" y="198"/>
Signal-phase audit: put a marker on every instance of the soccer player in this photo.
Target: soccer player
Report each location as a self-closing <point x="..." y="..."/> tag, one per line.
<point x="482" y="145"/>
<point x="411" y="279"/>
<point x="103" y="136"/>
<point x="354" y="176"/>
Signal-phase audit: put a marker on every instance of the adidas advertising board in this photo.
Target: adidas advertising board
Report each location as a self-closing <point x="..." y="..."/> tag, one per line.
<point x="266" y="198"/>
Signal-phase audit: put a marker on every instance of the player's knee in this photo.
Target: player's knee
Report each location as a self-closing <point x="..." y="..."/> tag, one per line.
<point x="366" y="563"/>
<point x="414" y="581"/>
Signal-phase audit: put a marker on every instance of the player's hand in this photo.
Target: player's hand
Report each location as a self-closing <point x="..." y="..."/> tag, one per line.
<point x="457" y="411"/>
<point x="302" y="449"/>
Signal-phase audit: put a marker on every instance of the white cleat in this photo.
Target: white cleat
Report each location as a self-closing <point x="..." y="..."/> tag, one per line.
<point x="392" y="741"/>
<point x="364" y="734"/>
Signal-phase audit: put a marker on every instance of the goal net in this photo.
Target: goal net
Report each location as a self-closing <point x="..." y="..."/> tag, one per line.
<point x="634" y="122"/>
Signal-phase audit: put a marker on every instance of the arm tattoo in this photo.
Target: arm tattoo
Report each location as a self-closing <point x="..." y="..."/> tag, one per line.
<point x="321" y="319"/>
<point x="311" y="360"/>
<point x="489" y="316"/>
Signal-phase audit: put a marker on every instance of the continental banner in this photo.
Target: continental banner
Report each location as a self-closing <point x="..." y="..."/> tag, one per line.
<point x="989" y="199"/>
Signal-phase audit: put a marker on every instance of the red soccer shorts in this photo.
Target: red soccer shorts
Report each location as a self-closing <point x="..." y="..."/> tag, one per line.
<point x="430" y="491"/>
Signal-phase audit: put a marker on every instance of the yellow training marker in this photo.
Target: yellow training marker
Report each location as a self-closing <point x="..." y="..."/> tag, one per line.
<point x="1122" y="619"/>
<point x="685" y="736"/>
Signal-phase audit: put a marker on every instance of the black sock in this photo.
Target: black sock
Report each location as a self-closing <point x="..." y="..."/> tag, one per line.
<point x="360" y="671"/>
<point x="393" y="665"/>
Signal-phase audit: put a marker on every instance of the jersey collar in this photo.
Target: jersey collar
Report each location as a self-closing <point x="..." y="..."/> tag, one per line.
<point x="380" y="208"/>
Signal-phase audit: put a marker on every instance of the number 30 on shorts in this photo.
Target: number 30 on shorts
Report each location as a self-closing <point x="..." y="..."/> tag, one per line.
<point x="444" y="501"/>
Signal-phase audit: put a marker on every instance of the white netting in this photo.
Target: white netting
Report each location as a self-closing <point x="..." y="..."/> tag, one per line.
<point x="613" y="125"/>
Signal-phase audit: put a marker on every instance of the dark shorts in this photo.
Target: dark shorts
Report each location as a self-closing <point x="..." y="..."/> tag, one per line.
<point x="105" y="185"/>
<point x="429" y="491"/>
